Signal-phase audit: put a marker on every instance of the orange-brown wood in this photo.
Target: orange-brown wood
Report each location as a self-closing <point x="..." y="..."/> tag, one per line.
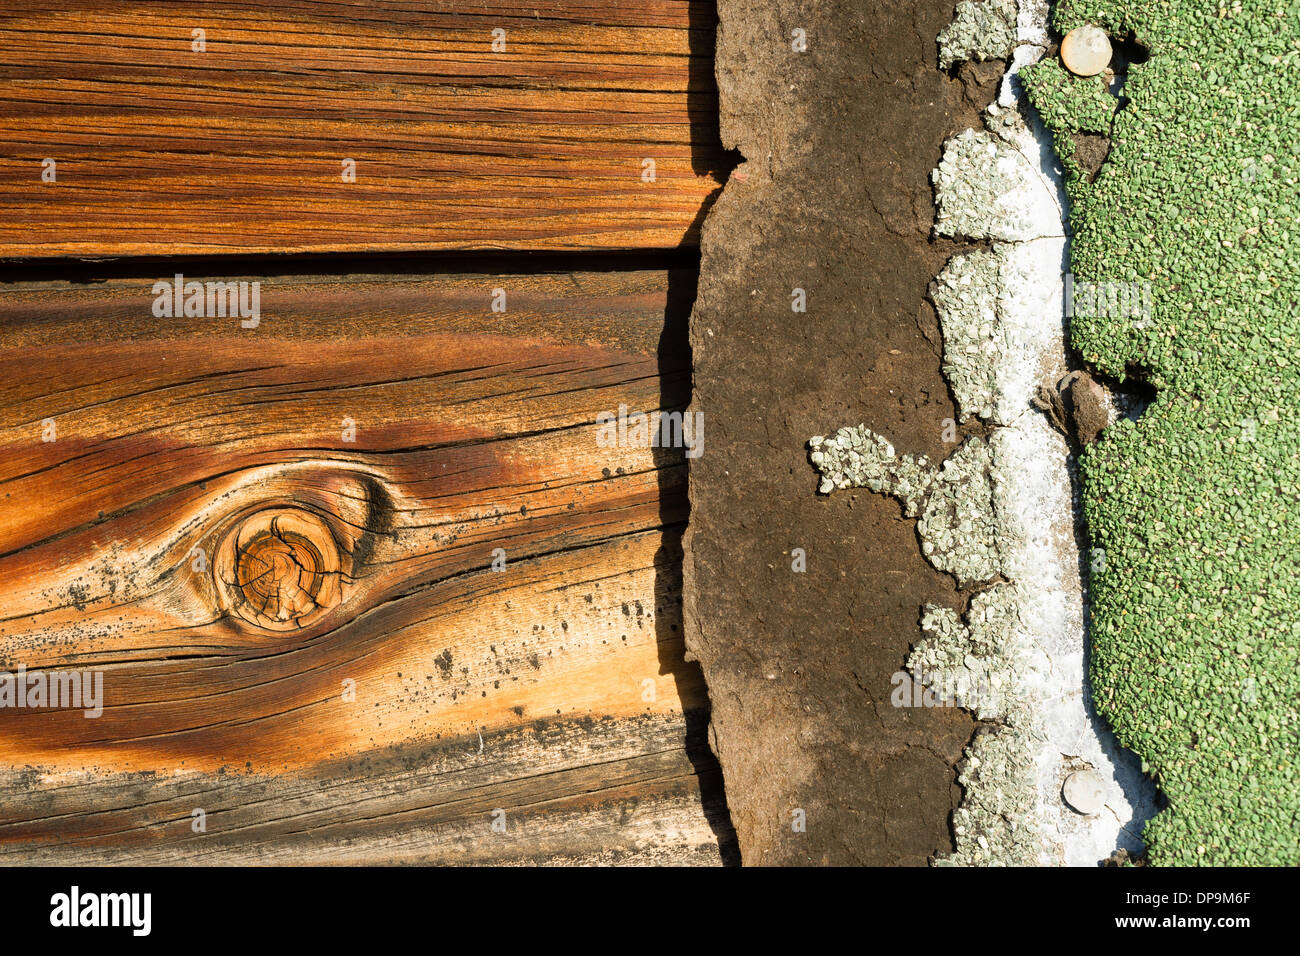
<point x="158" y="148"/>
<point x="374" y="446"/>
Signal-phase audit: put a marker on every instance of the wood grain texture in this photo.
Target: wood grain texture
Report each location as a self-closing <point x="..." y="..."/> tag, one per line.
<point x="163" y="150"/>
<point x="558" y="683"/>
<point x="572" y="793"/>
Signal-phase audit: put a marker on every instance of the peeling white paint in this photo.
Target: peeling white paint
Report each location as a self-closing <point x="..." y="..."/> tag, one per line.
<point x="1020" y="201"/>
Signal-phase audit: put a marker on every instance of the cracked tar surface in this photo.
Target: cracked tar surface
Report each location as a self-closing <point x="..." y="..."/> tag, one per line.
<point x="834" y="198"/>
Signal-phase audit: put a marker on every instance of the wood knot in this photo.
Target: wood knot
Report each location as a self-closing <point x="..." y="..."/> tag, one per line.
<point x="281" y="569"/>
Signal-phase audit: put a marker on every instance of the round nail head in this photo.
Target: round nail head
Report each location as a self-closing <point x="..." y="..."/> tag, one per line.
<point x="1085" y="792"/>
<point x="1086" y="51"/>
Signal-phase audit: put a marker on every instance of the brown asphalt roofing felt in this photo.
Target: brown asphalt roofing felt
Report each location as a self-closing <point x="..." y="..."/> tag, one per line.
<point x="834" y="198"/>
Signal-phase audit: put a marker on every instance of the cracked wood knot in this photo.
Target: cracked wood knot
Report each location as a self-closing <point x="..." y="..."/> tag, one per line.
<point x="282" y="571"/>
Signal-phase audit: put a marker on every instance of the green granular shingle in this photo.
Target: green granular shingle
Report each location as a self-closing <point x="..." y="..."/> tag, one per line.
<point x="1194" y="510"/>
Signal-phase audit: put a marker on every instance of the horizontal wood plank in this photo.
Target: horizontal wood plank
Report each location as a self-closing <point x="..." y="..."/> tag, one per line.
<point x="162" y="150"/>
<point x="403" y="430"/>
<point x="559" y="792"/>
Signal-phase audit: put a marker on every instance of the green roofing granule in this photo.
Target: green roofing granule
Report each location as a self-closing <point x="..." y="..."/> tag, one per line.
<point x="1194" y="510"/>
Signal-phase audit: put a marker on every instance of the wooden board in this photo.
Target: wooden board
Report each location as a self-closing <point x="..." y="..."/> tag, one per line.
<point x="575" y="793"/>
<point x="162" y="150"/>
<point x="402" y="436"/>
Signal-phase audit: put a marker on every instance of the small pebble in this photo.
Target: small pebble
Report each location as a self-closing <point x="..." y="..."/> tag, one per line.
<point x="1085" y="792"/>
<point x="1085" y="51"/>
